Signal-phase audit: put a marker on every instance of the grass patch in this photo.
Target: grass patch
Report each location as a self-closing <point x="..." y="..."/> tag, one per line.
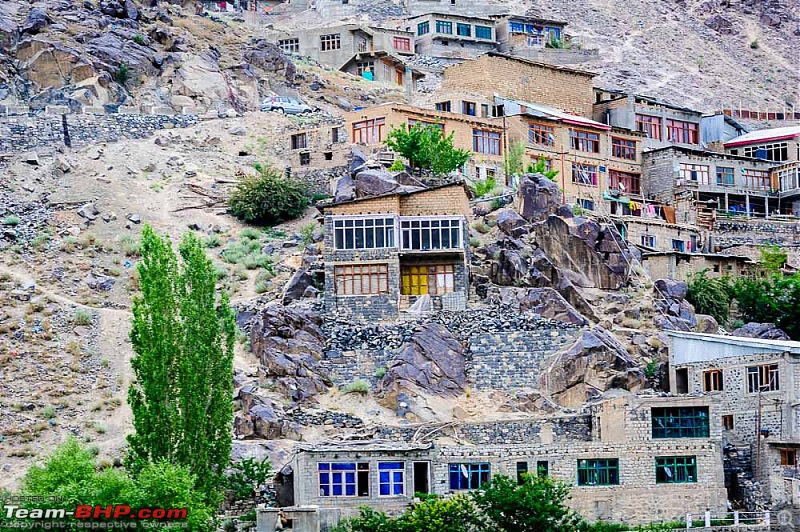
<point x="12" y="220"/>
<point x="261" y="287"/>
<point x="213" y="241"/>
<point x="82" y="317"/>
<point x="357" y="386"/>
<point x="130" y="246"/>
<point x="40" y="241"/>
<point x="49" y="412"/>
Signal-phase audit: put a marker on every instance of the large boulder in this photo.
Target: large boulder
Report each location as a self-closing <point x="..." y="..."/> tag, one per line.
<point x="36" y="21"/>
<point x="298" y="286"/>
<point x="595" y="363"/>
<point x="114" y="51"/>
<point x="543" y="301"/>
<point x="289" y="344"/>
<point x="707" y="324"/>
<point x="766" y="331"/>
<point x="671" y="289"/>
<point x="200" y="77"/>
<point x="262" y="417"/>
<point x="511" y="223"/>
<point x="268" y="57"/>
<point x="9" y="31"/>
<point x="51" y="64"/>
<point x="433" y="361"/>
<point x="539" y="197"/>
<point x="374" y="183"/>
<point x="344" y="189"/>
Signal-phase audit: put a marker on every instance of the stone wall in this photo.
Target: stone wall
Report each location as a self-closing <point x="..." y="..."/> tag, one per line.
<point x="728" y="233"/>
<point x="33" y="131"/>
<point x="509" y="360"/>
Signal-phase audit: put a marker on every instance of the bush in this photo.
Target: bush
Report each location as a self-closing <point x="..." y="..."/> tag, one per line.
<point x="754" y="44"/>
<point x="380" y="372"/>
<point x="267" y="198"/>
<point x="307" y="233"/>
<point x="139" y="39"/>
<point x="709" y="296"/>
<point x="122" y="74"/>
<point x="357" y="386"/>
<point x="483" y="188"/>
<point x="246" y="475"/>
<point x="130" y="246"/>
<point x="12" y="220"/>
<point x="397" y="166"/>
<point x="475" y="242"/>
<point x="261" y="287"/>
<point x="251" y="262"/>
<point x="82" y="317"/>
<point x="213" y="241"/>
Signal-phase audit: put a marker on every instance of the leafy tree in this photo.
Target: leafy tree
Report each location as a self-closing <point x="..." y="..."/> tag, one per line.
<point x="772" y="258"/>
<point x="514" y="154"/>
<point x="535" y="504"/>
<point x="541" y="168"/>
<point x="246" y="475"/>
<point x="775" y="300"/>
<point x="183" y="338"/>
<point x="431" y="514"/>
<point x="709" y="296"/>
<point x="426" y="148"/>
<point x="268" y="197"/>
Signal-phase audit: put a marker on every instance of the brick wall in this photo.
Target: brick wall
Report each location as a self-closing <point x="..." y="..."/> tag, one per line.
<point x="524" y="80"/>
<point x="383" y="205"/>
<point x="438" y="202"/>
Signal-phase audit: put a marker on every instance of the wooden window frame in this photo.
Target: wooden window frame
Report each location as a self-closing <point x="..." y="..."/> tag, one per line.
<point x="776" y="151"/>
<point x="330" y="42"/>
<point x="701" y="172"/>
<point x="445" y="106"/>
<point x="402" y="44"/>
<point x="763" y="378"/>
<point x="578" y="171"/>
<point x="726" y="176"/>
<point x="424" y="28"/>
<point x="713" y="380"/>
<point x="487" y="142"/>
<point x="444" y="24"/>
<point x="469" y="106"/>
<point x="289" y="46"/>
<point x="649" y="125"/>
<point x="541" y="134"/>
<point x="728" y="422"/>
<point x="756" y="179"/>
<point x="631" y="182"/>
<point x="390" y="470"/>
<point x="437" y="272"/>
<point x="681" y="131"/>
<point x="585" y="141"/>
<point x="484" y="30"/>
<point x="623" y="148"/>
<point x="370" y="129"/>
<point x="299" y="141"/>
<point x="372" y="279"/>
<point x="466" y="28"/>
<point x="344" y="483"/>
<point x="788" y="457"/>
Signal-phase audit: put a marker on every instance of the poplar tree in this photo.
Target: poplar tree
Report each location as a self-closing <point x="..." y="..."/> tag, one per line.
<point x="183" y="336"/>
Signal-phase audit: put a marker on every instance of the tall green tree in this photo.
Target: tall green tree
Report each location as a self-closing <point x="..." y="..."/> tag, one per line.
<point x="183" y="335"/>
<point x="426" y="148"/>
<point x="541" y="168"/>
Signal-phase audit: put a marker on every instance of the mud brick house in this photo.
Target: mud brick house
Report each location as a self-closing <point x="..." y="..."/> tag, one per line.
<point x="662" y="123"/>
<point x="494" y="73"/>
<point x="482" y="136"/>
<point x="383" y="253"/>
<point x="632" y="458"/>
<point x="681" y="265"/>
<point x="599" y="166"/>
<point x="757" y="383"/>
<point x="452" y="36"/>
<point x="704" y="184"/>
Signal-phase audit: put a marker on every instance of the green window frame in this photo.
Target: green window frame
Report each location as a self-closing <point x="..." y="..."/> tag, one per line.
<point x="442" y="26"/>
<point x="464" y="30"/>
<point x="680" y="422"/>
<point x="598" y="472"/>
<point x="676" y="469"/>
<point x="483" y="32"/>
<point x="423" y="28"/>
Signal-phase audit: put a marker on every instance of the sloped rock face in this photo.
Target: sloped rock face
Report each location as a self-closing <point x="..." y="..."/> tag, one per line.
<point x="51" y="64"/>
<point x="114" y="51"/>
<point x="268" y="57"/>
<point x="289" y="344"/>
<point x="545" y="302"/>
<point x="432" y="361"/>
<point x="766" y="331"/>
<point x="538" y="197"/>
<point x="595" y="363"/>
<point x="677" y="314"/>
<point x="262" y="418"/>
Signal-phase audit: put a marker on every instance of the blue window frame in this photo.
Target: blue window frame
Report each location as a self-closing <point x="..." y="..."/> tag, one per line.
<point x="483" y="32"/>
<point x="516" y="27"/>
<point x="391" y="478"/>
<point x="469" y="476"/>
<point x="444" y="27"/>
<point x="337" y="479"/>
<point x="464" y="30"/>
<point x="423" y="28"/>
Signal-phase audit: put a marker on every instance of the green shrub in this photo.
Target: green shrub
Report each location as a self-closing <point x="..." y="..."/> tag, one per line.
<point x="248" y="233"/>
<point x="267" y="198"/>
<point x="49" y="412"/>
<point x="246" y="475"/>
<point x="380" y="372"/>
<point x="357" y="386"/>
<point x="122" y="74"/>
<point x="261" y="287"/>
<point x="397" y="166"/>
<point x="40" y="241"/>
<point x="483" y="188"/>
<point x="213" y="241"/>
<point x="82" y="317"/>
<point x="651" y="369"/>
<point x="307" y="232"/>
<point x="139" y="39"/>
<point x="754" y="44"/>
<point x="12" y="220"/>
<point x="480" y="226"/>
<point x="130" y="246"/>
<point x="251" y="262"/>
<point x="221" y="271"/>
<point x="475" y="242"/>
<point x="709" y="296"/>
<point x="241" y="273"/>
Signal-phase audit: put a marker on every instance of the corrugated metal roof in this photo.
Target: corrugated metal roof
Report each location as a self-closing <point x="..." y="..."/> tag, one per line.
<point x="761" y="135"/>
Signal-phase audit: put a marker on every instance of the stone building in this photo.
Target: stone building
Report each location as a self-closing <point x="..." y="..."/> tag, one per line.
<point x="702" y="185"/>
<point x="757" y="383"/>
<point x="633" y="459"/>
<point x="383" y="253"/>
<point x="482" y="136"/>
<point x="451" y="36"/>
<point x="567" y="89"/>
<point x="540" y="40"/>
<point x="662" y="123"/>
<point x="676" y="265"/>
<point x="315" y="145"/>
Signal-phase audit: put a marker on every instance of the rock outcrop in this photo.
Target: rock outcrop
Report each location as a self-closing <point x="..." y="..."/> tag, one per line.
<point x="539" y="197"/>
<point x="545" y="302"/>
<point x="289" y="343"/>
<point x="765" y="331"/>
<point x="263" y="418"/>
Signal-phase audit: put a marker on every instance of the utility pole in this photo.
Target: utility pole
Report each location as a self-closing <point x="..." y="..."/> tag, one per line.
<point x="758" y="436"/>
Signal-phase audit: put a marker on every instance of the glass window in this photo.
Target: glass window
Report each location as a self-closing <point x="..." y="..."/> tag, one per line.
<point x="681" y="132"/>
<point x="680" y="422"/>
<point x="427" y="279"/>
<point x="423" y="28"/>
<point x="391" y="478"/>
<point x="465" y="30"/>
<point x="584" y="174"/>
<point x="469" y="476"/>
<point x="584" y="141"/>
<point x="337" y="479"/>
<point x="522" y="470"/>
<point x="695" y="172"/>
<point x="541" y="134"/>
<point x="424" y="235"/>
<point x="676" y="469"/>
<point x="756" y="179"/>
<point x="468" y="108"/>
<point x="443" y="26"/>
<point x="289" y="46"/>
<point x="623" y="148"/>
<point x="789" y="457"/>
<point x="625" y="182"/>
<point x="363" y="233"/>
<point x="724" y="176"/>
<point x="361" y="279"/>
<point x="443" y="106"/>
<point x="299" y="141"/>
<point x="727" y="422"/>
<point x="402" y="44"/>
<point x="487" y="142"/>
<point x="330" y="42"/>
<point x="712" y="380"/>
<point x="778" y="151"/>
<point x="649" y="125"/>
<point x="483" y="32"/>
<point x="598" y="472"/>
<point x="368" y="131"/>
<point x="763" y="378"/>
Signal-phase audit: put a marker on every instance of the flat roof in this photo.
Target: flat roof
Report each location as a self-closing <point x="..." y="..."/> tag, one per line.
<point x="539" y="64"/>
<point x="364" y="446"/>
<point x="451" y="15"/>
<point x="691" y="347"/>
<point x="528" y="18"/>
<point x="765" y="135"/>
<point x="459" y="183"/>
<point x="709" y="153"/>
<point x="545" y="111"/>
<point x="648" y="99"/>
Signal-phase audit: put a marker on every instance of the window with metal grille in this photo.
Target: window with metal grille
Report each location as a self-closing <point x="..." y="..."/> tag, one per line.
<point x="289" y="46"/>
<point x="299" y="141"/>
<point x="368" y="131"/>
<point x="584" y="174"/>
<point x="402" y="44"/>
<point x="680" y="422"/>
<point x="623" y="148"/>
<point x="756" y="179"/>
<point x="486" y="142"/>
<point x="625" y="181"/>
<point x="584" y="141"/>
<point x="305" y="159"/>
<point x="712" y="380"/>
<point x="343" y="479"/>
<point x="423" y="28"/>
<point x="695" y="172"/>
<point x="598" y="472"/>
<point x="763" y="378"/>
<point x="363" y="233"/>
<point x="430" y="234"/>
<point x="391" y="478"/>
<point x="648" y="241"/>
<point x="430" y="279"/>
<point x="362" y="279"/>
<point x="676" y="469"/>
<point x="443" y="26"/>
<point x="649" y="125"/>
<point x="330" y="42"/>
<point x="469" y="476"/>
<point x="725" y="176"/>
<point x="541" y="134"/>
<point x="483" y="32"/>
<point x="465" y="30"/>
<point x="681" y="131"/>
